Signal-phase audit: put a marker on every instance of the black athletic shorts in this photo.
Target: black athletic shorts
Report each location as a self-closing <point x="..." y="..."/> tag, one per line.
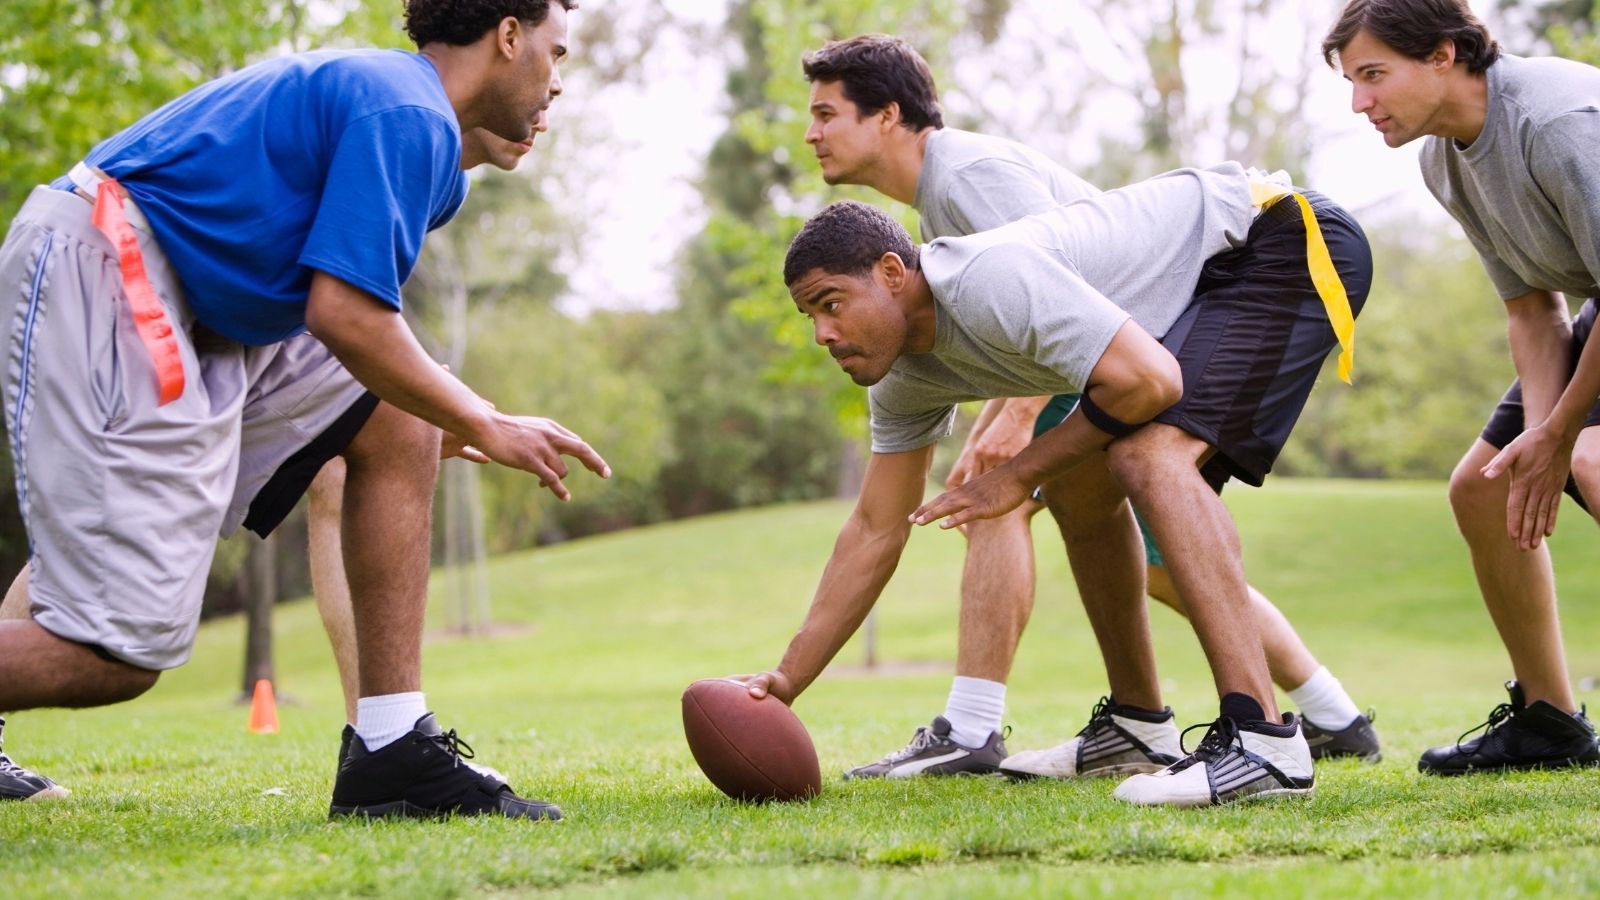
<point x="1505" y="423"/>
<point x="1252" y="343"/>
<point x="290" y="482"/>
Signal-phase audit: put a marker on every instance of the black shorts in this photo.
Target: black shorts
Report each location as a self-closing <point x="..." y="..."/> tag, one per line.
<point x="1253" y="341"/>
<point x="1505" y="423"/>
<point x="289" y="483"/>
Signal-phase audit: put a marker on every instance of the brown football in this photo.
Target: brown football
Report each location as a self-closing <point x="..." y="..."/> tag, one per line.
<point x="753" y="750"/>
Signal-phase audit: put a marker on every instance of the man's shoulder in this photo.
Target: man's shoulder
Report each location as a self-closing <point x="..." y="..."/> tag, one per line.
<point x="1545" y="89"/>
<point x="367" y="80"/>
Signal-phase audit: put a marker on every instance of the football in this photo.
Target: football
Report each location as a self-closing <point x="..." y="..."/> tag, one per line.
<point x="752" y="750"/>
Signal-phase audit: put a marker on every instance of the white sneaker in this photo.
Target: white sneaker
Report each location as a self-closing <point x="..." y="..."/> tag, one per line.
<point x="1119" y="740"/>
<point x="1231" y="763"/>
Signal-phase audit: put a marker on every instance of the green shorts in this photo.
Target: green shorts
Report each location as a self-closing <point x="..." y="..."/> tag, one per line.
<point x="1054" y="413"/>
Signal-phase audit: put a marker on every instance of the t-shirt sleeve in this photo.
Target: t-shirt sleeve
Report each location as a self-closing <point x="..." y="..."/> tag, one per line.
<point x="1563" y="162"/>
<point x="1039" y="307"/>
<point x="901" y="423"/>
<point x="989" y="193"/>
<point x="394" y="176"/>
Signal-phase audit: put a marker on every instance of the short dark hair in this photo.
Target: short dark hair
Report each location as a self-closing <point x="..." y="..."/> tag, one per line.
<point x="1415" y="28"/>
<point x="463" y="22"/>
<point x="846" y="238"/>
<point x="877" y="70"/>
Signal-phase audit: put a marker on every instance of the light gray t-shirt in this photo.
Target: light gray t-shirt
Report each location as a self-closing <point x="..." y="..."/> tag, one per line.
<point x="974" y="182"/>
<point x="1527" y="191"/>
<point x="1028" y="308"/>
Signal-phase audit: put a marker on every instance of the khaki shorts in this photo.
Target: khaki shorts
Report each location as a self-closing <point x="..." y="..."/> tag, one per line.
<point x="123" y="499"/>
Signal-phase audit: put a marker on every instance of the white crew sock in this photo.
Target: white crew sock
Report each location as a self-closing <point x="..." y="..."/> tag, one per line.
<point x="974" y="709"/>
<point x="382" y="720"/>
<point x="1323" y="701"/>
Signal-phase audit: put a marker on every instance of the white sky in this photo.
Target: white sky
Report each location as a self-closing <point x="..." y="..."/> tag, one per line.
<point x="642" y="205"/>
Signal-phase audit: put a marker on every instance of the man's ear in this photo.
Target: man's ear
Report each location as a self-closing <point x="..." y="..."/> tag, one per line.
<point x="889" y="116"/>
<point x="893" y="269"/>
<point x="508" y="36"/>
<point x="1443" y="56"/>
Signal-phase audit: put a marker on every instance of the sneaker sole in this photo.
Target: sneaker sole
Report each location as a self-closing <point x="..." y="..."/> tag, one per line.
<point x="1269" y="794"/>
<point x="405" y="809"/>
<point x="53" y="792"/>
<point x="1571" y="762"/>
<point x="1106" y="772"/>
<point x="1373" y="757"/>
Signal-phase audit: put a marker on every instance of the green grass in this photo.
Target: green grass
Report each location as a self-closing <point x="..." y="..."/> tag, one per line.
<point x="173" y="797"/>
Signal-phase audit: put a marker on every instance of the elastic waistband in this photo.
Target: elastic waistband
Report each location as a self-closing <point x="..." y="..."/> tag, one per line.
<point x="87" y="179"/>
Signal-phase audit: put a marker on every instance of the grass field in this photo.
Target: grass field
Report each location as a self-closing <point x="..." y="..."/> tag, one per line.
<point x="173" y="797"/>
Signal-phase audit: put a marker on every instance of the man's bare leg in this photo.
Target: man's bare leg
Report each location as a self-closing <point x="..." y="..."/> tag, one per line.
<point x="997" y="588"/>
<point x="39" y="669"/>
<point x="325" y="509"/>
<point x="1159" y="467"/>
<point x="1288" y="659"/>
<point x="1107" y="557"/>
<point x="1518" y="586"/>
<point x="391" y="468"/>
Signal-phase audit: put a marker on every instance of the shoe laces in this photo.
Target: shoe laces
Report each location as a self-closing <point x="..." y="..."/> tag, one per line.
<point x="920" y="741"/>
<point x="1220" y="737"/>
<point x="450" y="743"/>
<point x="7" y="767"/>
<point x="1099" y="717"/>
<point x="1497" y="717"/>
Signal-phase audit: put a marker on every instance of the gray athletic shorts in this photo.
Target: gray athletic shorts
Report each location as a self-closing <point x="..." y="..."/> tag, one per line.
<point x="123" y="499"/>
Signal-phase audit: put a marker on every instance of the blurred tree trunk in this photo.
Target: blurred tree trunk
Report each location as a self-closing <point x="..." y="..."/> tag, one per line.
<point x="261" y="592"/>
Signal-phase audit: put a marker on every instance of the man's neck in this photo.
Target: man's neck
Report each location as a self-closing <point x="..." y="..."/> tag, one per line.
<point x="921" y="319"/>
<point x="902" y="166"/>
<point x="461" y="74"/>
<point x="1465" y="107"/>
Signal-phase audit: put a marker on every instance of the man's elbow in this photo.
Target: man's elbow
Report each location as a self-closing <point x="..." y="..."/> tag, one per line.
<point x="1157" y="385"/>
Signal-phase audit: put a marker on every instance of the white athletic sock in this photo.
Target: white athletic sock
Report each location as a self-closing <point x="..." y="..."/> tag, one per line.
<point x="974" y="710"/>
<point x="1323" y="701"/>
<point x="382" y="720"/>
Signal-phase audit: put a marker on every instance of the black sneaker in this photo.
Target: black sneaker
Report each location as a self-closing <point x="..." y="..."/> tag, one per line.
<point x="932" y="752"/>
<point x="1518" y="736"/>
<point x="17" y="783"/>
<point x="1358" y="739"/>
<point x="425" y="775"/>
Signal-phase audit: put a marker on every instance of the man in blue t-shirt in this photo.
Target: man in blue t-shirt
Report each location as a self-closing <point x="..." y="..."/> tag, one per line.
<point x="202" y="313"/>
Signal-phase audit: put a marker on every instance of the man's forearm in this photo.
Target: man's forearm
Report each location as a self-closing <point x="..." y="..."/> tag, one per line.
<point x="378" y="348"/>
<point x="1579" y="396"/>
<point x="1540" y="333"/>
<point x="863" y="560"/>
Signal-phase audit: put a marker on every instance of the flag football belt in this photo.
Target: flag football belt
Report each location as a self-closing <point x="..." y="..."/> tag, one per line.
<point x="116" y="216"/>
<point x="1265" y="191"/>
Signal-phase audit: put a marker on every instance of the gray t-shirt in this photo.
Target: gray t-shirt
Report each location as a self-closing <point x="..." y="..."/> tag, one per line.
<point x="1527" y="191"/>
<point x="1028" y="308"/>
<point x="974" y="182"/>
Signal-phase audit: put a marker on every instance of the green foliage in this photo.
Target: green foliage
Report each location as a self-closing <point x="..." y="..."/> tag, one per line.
<point x="171" y="795"/>
<point x="1431" y="362"/>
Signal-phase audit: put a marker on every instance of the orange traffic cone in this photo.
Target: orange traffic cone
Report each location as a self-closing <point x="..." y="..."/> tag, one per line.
<point x="263" y="709"/>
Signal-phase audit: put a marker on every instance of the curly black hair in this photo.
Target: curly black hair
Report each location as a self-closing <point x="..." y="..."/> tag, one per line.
<point x="846" y="238"/>
<point x="462" y="22"/>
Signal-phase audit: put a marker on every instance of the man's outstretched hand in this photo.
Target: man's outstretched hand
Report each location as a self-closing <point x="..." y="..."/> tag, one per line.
<point x="763" y="683"/>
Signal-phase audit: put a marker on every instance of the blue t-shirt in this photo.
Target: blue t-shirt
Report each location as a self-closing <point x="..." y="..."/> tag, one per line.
<point x="338" y="161"/>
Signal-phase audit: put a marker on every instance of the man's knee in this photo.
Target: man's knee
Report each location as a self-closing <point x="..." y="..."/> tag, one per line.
<point x="392" y="436"/>
<point x="1586" y="466"/>
<point x="1148" y="459"/>
<point x="127" y="682"/>
<point x="1473" y="496"/>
